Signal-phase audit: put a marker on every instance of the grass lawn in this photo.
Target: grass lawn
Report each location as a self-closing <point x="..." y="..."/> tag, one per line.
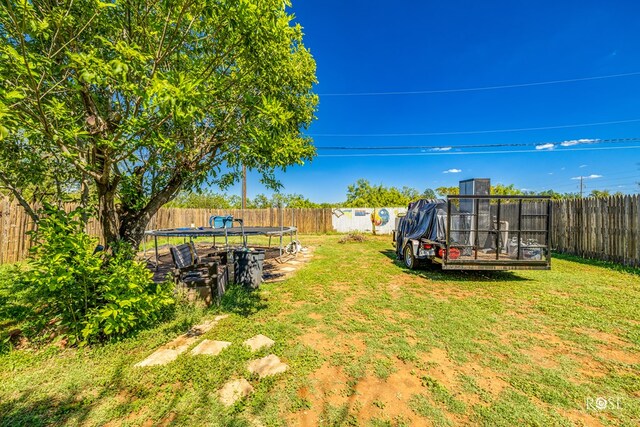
<point x="368" y="343"/>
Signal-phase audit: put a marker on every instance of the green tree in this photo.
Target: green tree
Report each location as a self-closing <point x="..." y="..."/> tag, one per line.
<point x="140" y="100"/>
<point x="205" y="200"/>
<point x="446" y="191"/>
<point x="429" y="194"/>
<point x="364" y="194"/>
<point x="604" y="193"/>
<point x="33" y="177"/>
<point x="555" y="195"/>
<point x="506" y="190"/>
<point x="262" y="201"/>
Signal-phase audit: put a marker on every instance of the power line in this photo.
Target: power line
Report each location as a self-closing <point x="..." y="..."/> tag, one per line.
<point x="473" y="132"/>
<point x="598" y="183"/>
<point x="451" y="147"/>
<point x="460" y="153"/>
<point x="482" y="88"/>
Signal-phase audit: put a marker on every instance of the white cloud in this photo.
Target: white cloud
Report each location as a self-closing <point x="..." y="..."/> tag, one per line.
<point x="592" y="176"/>
<point x="578" y="141"/>
<point x="452" y="171"/>
<point x="550" y="173"/>
<point x="583" y="166"/>
<point x="441" y="149"/>
<point x="548" y="146"/>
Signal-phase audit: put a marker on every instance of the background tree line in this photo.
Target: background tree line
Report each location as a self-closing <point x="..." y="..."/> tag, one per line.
<point x="362" y="193"/>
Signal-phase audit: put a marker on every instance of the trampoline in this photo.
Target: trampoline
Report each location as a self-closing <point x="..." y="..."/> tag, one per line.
<point x="195" y="232"/>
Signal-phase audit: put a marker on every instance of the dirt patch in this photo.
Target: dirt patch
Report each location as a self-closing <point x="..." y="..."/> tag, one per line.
<point x="617" y="355"/>
<point x="603" y="337"/>
<point x="486" y="378"/>
<point x="445" y="293"/>
<point x="580" y="418"/>
<point x="168" y="420"/>
<point x="439" y="291"/>
<point x="541" y="356"/>
<point x="328" y="387"/>
<point x="317" y="341"/>
<point x="560" y="293"/>
<point x="279" y="269"/>
<point x="370" y="397"/>
<point x="388" y="398"/>
<point x="549" y="338"/>
<point x="440" y="367"/>
<point x="589" y="368"/>
<point x="316" y="316"/>
<point x="327" y="346"/>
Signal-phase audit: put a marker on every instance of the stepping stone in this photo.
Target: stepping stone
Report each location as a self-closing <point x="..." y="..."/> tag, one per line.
<point x="287" y="269"/>
<point x="258" y="342"/>
<point x="294" y="262"/>
<point x="206" y="325"/>
<point x="168" y="352"/>
<point x="234" y="390"/>
<point x="268" y="365"/>
<point x="210" y="347"/>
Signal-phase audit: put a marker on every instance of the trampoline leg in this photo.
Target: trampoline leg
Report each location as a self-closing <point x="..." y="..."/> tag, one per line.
<point x="269" y="240"/>
<point x="155" y="238"/>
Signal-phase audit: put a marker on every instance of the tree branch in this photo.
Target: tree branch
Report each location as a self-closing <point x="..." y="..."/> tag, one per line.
<point x="18" y="195"/>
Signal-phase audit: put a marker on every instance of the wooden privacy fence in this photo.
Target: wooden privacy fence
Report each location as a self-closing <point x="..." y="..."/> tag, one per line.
<point x="15" y="223"/>
<point x="606" y="228"/>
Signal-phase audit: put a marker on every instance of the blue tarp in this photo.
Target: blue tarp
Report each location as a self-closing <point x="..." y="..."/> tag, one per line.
<point x="425" y="218"/>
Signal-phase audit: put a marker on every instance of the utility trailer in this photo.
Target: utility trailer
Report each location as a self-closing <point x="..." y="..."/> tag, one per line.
<point x="476" y="232"/>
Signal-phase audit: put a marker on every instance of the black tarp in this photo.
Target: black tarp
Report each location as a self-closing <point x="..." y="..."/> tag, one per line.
<point x="425" y="218"/>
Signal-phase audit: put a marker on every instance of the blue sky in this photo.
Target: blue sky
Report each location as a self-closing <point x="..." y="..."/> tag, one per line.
<point x="375" y="46"/>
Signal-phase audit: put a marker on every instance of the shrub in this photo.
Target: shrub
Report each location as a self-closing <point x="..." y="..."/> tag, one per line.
<point x="89" y="294"/>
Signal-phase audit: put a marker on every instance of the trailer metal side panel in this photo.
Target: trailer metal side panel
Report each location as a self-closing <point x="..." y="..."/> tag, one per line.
<point x="516" y="233"/>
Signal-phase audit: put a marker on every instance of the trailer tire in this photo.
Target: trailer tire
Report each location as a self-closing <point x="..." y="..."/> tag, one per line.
<point x="409" y="259"/>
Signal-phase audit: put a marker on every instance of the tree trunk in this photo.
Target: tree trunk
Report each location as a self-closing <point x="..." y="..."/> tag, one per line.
<point x="133" y="222"/>
<point x="107" y="213"/>
<point x="133" y="226"/>
<point x="84" y="199"/>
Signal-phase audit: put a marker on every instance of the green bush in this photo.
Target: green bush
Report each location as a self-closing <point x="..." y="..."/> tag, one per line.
<point x="88" y="294"/>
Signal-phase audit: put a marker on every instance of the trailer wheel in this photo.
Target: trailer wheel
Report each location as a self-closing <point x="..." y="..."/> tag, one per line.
<point x="409" y="260"/>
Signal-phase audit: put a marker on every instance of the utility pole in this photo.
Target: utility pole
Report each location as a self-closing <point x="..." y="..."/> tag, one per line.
<point x="581" y="185"/>
<point x="244" y="187"/>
